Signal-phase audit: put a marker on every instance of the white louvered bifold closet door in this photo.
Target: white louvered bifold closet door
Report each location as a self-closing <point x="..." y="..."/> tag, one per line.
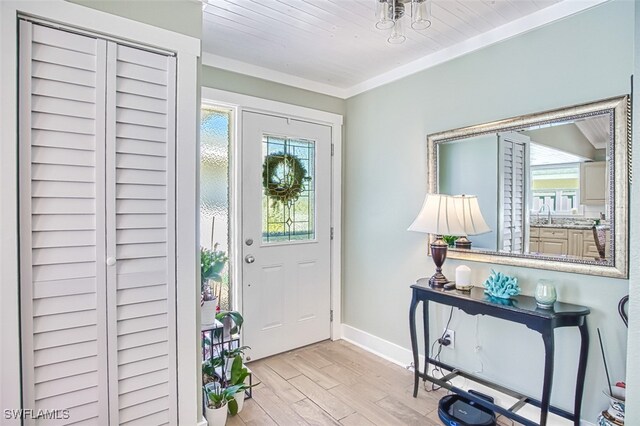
<point x="97" y="231"/>
<point x="62" y="221"/>
<point x="141" y="236"/>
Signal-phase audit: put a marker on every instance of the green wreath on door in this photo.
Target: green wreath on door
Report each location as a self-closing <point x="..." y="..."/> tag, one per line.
<point x="287" y="188"/>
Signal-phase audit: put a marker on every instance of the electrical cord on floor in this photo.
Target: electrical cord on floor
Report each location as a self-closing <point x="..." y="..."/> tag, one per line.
<point x="436" y="357"/>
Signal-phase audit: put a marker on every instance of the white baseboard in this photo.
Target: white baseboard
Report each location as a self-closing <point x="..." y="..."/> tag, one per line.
<point x="380" y="347"/>
<point x="403" y="357"/>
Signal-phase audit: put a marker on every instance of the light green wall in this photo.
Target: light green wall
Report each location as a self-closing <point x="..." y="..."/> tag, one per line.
<point x="182" y="16"/>
<point x="244" y="84"/>
<point x="633" y="355"/>
<point x="578" y="59"/>
<point x="470" y="166"/>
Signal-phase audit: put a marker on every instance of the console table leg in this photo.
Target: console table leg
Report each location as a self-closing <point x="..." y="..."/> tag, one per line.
<point x="414" y="343"/>
<point x="425" y="324"/>
<point x="548" y="338"/>
<point x="582" y="368"/>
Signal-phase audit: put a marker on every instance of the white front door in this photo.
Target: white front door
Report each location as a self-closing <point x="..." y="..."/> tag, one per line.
<point x="286" y="215"/>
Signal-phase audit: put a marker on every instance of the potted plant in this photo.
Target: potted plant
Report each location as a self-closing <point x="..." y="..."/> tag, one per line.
<point x="219" y="400"/>
<point x="210" y="369"/>
<point x="232" y="321"/>
<point x="449" y="239"/>
<point x="237" y="379"/>
<point x="224" y="361"/>
<point x="212" y="262"/>
<point x="225" y="368"/>
<point x="218" y="363"/>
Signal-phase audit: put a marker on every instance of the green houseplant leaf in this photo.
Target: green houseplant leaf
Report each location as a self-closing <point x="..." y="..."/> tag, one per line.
<point x="233" y="407"/>
<point x="238" y="372"/>
<point x="236" y="318"/>
<point x="218" y="397"/>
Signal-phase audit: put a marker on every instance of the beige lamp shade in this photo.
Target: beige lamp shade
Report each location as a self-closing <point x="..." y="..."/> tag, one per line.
<point x="469" y="215"/>
<point x="438" y="216"/>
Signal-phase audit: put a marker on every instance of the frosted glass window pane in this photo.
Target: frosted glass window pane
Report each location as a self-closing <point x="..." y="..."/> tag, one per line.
<point x="215" y="134"/>
<point x="288" y="201"/>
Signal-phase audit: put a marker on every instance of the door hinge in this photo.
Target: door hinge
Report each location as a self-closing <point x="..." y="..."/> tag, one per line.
<point x="333" y="148"/>
<point x="331" y="315"/>
<point x="332" y="232"/>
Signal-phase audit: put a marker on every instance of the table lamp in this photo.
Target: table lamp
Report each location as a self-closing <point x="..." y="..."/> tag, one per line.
<point x="470" y="217"/>
<point x="438" y="216"/>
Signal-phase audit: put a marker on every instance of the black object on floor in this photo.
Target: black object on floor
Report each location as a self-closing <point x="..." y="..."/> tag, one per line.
<point x="456" y="410"/>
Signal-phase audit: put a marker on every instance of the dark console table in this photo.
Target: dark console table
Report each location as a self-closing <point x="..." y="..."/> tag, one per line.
<point x="520" y="309"/>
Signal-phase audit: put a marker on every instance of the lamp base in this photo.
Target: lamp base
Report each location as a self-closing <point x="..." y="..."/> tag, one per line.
<point x="439" y="254"/>
<point x="438" y="280"/>
<point x="463" y="243"/>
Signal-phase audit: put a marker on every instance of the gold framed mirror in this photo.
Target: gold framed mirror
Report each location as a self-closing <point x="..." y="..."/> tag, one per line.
<point x="552" y="187"/>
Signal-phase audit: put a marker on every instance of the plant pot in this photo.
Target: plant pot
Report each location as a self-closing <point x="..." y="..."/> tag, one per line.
<point x="216" y="416"/>
<point x="239" y="397"/>
<point x="208" y="311"/>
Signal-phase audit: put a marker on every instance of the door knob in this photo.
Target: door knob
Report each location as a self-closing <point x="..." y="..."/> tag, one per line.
<point x="249" y="259"/>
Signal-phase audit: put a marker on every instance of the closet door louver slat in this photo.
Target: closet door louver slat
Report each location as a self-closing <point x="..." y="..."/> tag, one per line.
<point x="141" y="299"/>
<point x="62" y="113"/>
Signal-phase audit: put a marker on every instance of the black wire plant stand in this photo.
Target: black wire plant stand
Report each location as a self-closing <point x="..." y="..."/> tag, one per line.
<point x="216" y="340"/>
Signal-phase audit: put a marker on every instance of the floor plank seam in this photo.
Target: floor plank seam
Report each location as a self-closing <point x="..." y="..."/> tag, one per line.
<point x="335" y="383"/>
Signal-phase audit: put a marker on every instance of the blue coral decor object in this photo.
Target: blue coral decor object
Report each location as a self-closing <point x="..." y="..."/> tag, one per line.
<point x="501" y="285"/>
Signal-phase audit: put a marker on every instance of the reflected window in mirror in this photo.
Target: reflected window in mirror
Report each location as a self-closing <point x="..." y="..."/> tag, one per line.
<point x="556" y="188"/>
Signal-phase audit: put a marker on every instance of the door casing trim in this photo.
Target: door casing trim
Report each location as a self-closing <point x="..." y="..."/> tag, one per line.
<point x="240" y="103"/>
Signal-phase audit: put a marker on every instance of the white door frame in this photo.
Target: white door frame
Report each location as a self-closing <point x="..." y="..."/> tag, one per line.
<point x="240" y="103"/>
<point x="187" y="118"/>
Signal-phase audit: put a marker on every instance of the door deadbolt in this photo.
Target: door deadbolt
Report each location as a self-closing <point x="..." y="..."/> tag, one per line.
<point x="248" y="241"/>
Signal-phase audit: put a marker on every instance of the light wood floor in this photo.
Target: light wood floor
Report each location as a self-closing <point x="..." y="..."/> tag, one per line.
<point x="335" y="383"/>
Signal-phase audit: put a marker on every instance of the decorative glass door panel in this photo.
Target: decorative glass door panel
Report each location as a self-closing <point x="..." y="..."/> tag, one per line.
<point x="288" y="181"/>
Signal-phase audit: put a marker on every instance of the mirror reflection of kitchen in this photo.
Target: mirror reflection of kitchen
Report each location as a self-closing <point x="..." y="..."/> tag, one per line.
<point x="542" y="190"/>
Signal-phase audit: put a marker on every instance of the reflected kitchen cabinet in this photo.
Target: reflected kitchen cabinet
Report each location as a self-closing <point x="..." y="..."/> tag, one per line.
<point x="557" y="247"/>
<point x="575" y="239"/>
<point x="576" y="242"/>
<point x="593" y="183"/>
<point x="549" y="241"/>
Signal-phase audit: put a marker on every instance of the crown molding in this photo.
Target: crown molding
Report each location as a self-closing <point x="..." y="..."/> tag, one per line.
<point x="257" y="71"/>
<point x="519" y="26"/>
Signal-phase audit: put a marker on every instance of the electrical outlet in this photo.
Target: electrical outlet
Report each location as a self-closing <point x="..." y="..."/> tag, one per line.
<point x="451" y="336"/>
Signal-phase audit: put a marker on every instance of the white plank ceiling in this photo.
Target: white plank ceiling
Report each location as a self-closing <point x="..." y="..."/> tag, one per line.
<point x="335" y="42"/>
<point x="596" y="130"/>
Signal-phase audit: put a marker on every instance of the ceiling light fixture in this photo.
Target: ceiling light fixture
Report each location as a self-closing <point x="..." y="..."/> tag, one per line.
<point x="389" y="14"/>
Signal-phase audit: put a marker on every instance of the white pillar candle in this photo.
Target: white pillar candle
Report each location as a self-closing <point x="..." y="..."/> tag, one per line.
<point x="463" y="276"/>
